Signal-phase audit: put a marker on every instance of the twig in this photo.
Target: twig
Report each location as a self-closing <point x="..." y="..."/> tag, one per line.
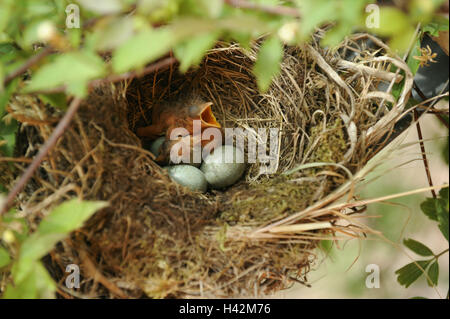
<point x="422" y="145"/>
<point x="277" y="10"/>
<point x="44" y="150"/>
<point x="424" y="155"/>
<point x="30" y="62"/>
<point x="97" y="276"/>
<point x="380" y="74"/>
<point x="430" y="110"/>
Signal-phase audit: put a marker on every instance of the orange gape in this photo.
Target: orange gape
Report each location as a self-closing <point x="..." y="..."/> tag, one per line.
<point x="168" y="117"/>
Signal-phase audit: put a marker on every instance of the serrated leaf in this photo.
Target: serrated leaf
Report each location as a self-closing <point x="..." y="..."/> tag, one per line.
<point x="4" y="257"/>
<point x="268" y="62"/>
<point x="411" y="272"/>
<point x="418" y="247"/>
<point x="69" y="216"/>
<point x="73" y="69"/>
<point x="102" y="6"/>
<point x="433" y="274"/>
<point x="144" y="47"/>
<point x="191" y="52"/>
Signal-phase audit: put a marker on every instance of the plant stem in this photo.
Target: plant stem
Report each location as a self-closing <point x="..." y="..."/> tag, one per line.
<point x="441" y="253"/>
<point x="30" y="62"/>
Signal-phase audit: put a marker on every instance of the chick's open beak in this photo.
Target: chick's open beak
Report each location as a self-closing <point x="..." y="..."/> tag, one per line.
<point x="205" y="114"/>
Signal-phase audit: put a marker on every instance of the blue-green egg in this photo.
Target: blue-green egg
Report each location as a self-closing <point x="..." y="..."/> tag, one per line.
<point x="221" y="172"/>
<point x="189" y="176"/>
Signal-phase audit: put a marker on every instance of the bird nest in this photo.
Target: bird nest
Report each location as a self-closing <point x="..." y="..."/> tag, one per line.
<point x="160" y="239"/>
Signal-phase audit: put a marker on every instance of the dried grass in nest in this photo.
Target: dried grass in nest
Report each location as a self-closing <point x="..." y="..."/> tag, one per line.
<point x="159" y="239"/>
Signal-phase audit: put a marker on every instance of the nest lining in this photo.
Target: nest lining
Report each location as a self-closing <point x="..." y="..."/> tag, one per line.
<point x="159" y="239"/>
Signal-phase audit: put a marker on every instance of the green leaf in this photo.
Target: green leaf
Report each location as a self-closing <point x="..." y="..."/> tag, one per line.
<point x="8" y="134"/>
<point x="267" y="65"/>
<point x="320" y="11"/>
<point x="411" y="272"/>
<point x="213" y="8"/>
<point x="69" y="216"/>
<point x="102" y="6"/>
<point x="392" y="22"/>
<point x="438" y="24"/>
<point x="415" y="51"/>
<point x="4" y="257"/>
<point x="5" y="13"/>
<point x="443" y="222"/>
<point x="144" y="47"/>
<point x="37" y="284"/>
<point x="114" y="33"/>
<point x="73" y="69"/>
<point x="58" y="100"/>
<point x="191" y="52"/>
<point x="442" y="209"/>
<point x="445" y="151"/>
<point x="433" y="274"/>
<point x="6" y="94"/>
<point x="418" y="247"/>
<point x="56" y="226"/>
<point x="33" y="248"/>
<point x="429" y="208"/>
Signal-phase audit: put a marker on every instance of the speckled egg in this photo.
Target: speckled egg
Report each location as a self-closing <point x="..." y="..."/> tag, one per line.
<point x="219" y="172"/>
<point x="156" y="145"/>
<point x="188" y="176"/>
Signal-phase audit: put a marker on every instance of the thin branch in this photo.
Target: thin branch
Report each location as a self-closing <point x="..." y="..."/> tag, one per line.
<point x="430" y="110"/>
<point x="424" y="155"/>
<point x="29" y="63"/>
<point x="277" y="10"/>
<point x="44" y="150"/>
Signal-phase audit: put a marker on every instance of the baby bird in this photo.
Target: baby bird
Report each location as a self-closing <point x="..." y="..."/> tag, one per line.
<point x="179" y="114"/>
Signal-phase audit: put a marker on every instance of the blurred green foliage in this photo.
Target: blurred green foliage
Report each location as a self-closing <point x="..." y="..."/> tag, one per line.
<point x="29" y="277"/>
